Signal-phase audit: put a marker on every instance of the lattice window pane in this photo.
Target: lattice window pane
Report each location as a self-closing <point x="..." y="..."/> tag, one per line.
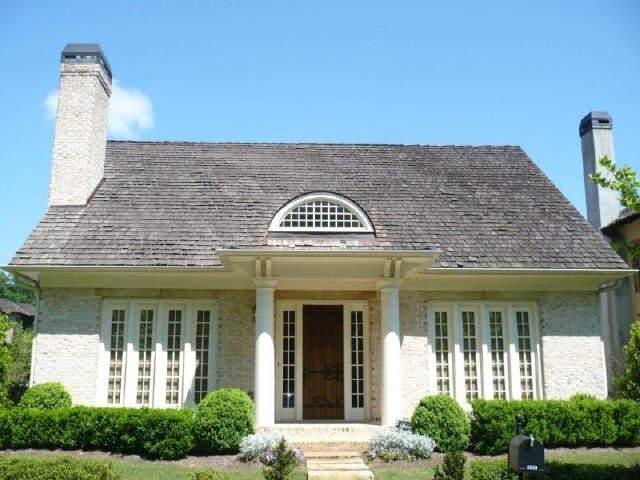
<point x="525" y="354"/>
<point x="357" y="359"/>
<point x="496" y="332"/>
<point x="441" y="349"/>
<point x="321" y="215"/>
<point x="203" y="328"/>
<point x="116" y="357"/>
<point x="288" y="359"/>
<point x="145" y="349"/>
<point x="174" y="326"/>
<point x="469" y="350"/>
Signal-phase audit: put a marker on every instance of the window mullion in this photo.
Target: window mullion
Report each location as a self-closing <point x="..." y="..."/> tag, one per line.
<point x="160" y="358"/>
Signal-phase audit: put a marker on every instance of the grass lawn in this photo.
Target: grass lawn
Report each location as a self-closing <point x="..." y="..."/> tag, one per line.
<point x="146" y="470"/>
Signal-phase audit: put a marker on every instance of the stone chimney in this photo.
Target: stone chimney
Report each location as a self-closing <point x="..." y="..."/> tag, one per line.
<point x="596" y="136"/>
<point x="81" y="124"/>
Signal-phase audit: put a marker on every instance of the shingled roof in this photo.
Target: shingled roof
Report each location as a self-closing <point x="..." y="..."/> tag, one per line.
<point x="175" y="204"/>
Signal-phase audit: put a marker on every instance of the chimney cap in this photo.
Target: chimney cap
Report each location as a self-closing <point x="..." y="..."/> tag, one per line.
<point x="85" y="53"/>
<point x="595" y="120"/>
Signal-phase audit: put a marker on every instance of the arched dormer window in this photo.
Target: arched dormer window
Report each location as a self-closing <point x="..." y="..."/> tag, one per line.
<point x="321" y="212"/>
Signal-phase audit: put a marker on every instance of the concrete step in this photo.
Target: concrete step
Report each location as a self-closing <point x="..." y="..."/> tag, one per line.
<point x="340" y="475"/>
<point x="311" y="454"/>
<point x="336" y="465"/>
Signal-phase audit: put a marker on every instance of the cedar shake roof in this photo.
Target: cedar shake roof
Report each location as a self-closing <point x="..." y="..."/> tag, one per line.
<point x="174" y="204"/>
<point x="9" y="306"/>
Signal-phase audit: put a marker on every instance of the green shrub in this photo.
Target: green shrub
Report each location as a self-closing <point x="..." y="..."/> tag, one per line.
<point x="490" y="470"/>
<point x="581" y="422"/>
<point x="223" y="419"/>
<point x="46" y="395"/>
<point x="163" y="434"/>
<point x="627" y="418"/>
<point x="452" y="467"/>
<point x="210" y="475"/>
<point x="498" y="470"/>
<point x="61" y="468"/>
<point x="441" y="418"/>
<point x="628" y="381"/>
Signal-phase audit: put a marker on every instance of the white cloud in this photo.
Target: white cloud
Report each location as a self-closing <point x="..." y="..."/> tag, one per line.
<point x="130" y="110"/>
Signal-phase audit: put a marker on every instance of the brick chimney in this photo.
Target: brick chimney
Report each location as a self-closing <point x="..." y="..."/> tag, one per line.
<point x="596" y="136"/>
<point x="81" y="124"/>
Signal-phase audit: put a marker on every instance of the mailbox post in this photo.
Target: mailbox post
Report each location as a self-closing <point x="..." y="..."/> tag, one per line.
<point x="526" y="454"/>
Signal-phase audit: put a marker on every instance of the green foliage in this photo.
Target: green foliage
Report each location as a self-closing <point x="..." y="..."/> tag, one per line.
<point x="223" y="419"/>
<point x="279" y="463"/>
<point x="581" y="422"/>
<point x="452" y="467"/>
<point x="441" y="418"/>
<point x="152" y="433"/>
<point x="13" y="291"/>
<point x="20" y="367"/>
<point x="498" y="470"/>
<point x="628" y="380"/>
<point x="5" y="360"/>
<point x="61" y="468"/>
<point x="46" y="395"/>
<point x="490" y="470"/>
<point x="210" y="475"/>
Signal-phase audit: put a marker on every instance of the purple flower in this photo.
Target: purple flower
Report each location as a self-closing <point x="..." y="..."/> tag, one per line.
<point x="298" y="454"/>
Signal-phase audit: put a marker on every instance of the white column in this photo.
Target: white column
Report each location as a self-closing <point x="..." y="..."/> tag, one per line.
<point x="391" y="386"/>
<point x="264" y="389"/>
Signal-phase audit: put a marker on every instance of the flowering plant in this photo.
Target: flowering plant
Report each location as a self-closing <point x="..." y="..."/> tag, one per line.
<point x="280" y="462"/>
<point x="256" y="445"/>
<point x="395" y="444"/>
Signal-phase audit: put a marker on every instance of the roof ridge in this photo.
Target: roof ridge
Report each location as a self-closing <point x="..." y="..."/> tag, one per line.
<point x="312" y="144"/>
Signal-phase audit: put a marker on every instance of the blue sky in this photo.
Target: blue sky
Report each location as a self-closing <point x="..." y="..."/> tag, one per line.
<point x="426" y="72"/>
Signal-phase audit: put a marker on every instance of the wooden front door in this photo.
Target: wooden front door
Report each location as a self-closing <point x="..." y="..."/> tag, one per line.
<point x="323" y="382"/>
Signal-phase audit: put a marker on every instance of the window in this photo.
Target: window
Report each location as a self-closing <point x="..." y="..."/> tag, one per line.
<point x="321" y="212"/>
<point x="483" y="350"/>
<point x="151" y="347"/>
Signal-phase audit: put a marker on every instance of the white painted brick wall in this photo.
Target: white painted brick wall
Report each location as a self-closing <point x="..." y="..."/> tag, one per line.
<point x="67" y="341"/>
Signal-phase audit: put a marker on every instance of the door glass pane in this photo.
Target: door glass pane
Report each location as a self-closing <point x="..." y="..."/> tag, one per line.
<point x="357" y="359"/>
<point x="145" y="347"/>
<point x="469" y="350"/>
<point x="174" y="325"/>
<point x="288" y="358"/>
<point x="441" y="347"/>
<point x="525" y="354"/>
<point x="203" y="326"/>
<point x="116" y="354"/>
<point x="497" y="355"/>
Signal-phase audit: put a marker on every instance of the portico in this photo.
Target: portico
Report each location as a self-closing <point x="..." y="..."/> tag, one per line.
<point x="289" y="384"/>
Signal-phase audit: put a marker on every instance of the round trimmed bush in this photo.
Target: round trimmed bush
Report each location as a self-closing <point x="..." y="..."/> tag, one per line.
<point x="46" y="395"/>
<point x="441" y="418"/>
<point x="223" y="419"/>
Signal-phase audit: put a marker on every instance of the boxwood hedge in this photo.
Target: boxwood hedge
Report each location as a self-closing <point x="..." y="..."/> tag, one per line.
<point x="60" y="468"/>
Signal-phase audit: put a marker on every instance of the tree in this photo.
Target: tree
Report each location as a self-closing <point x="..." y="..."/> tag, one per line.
<point x="624" y="180"/>
<point x="15" y="292"/>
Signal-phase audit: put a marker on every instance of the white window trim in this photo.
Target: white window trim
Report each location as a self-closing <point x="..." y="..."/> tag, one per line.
<point x="132" y="308"/>
<point x="296" y="414"/>
<point x="367" y="227"/>
<point x="456" y="364"/>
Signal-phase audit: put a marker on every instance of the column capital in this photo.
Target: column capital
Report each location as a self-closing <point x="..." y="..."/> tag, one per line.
<point x="265" y="282"/>
<point x="388" y="283"/>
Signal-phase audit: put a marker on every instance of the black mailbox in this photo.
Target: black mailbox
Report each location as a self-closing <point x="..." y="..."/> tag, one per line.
<point x="526" y="454"/>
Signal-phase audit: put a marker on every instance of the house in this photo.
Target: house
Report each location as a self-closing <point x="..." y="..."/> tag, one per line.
<point x="620" y="301"/>
<point x="330" y="281"/>
<point x="23" y="313"/>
